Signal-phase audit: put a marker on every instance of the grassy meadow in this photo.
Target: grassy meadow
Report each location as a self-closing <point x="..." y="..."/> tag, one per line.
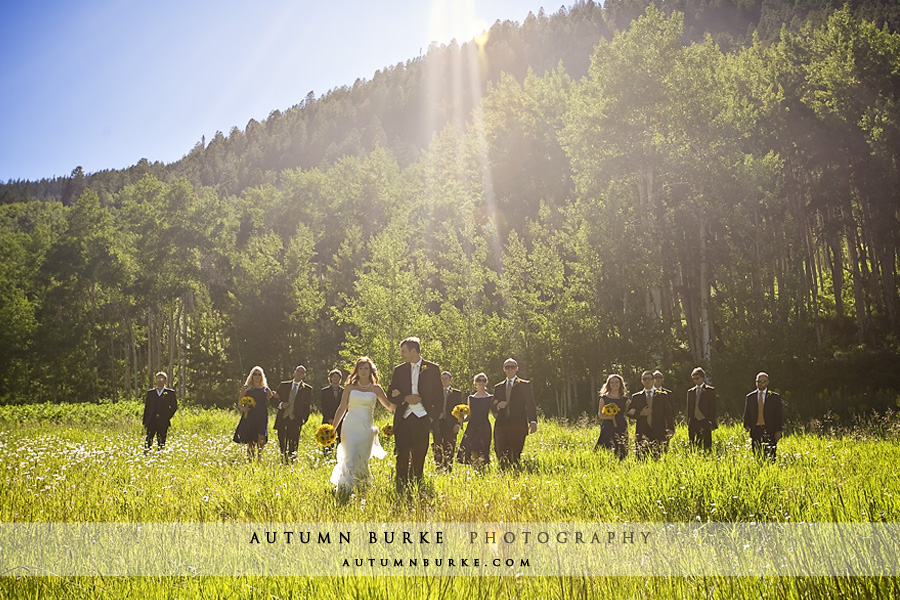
<point x="86" y="463"/>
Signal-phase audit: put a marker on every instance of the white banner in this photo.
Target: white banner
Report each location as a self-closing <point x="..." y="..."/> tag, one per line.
<point x="448" y="549"/>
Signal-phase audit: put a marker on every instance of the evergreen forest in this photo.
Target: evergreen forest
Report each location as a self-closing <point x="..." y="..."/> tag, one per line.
<point x="603" y="189"/>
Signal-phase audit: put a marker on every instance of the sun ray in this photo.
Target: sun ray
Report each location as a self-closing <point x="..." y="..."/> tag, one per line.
<point x="465" y="73"/>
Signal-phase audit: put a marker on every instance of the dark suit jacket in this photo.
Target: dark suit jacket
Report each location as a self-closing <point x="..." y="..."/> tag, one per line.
<point x="521" y="409"/>
<point x="663" y="415"/>
<point x="301" y="402"/>
<point x="158" y="410"/>
<point x="708" y="402"/>
<point x="453" y="398"/>
<point x="771" y="411"/>
<point x="328" y="404"/>
<point x="430" y="389"/>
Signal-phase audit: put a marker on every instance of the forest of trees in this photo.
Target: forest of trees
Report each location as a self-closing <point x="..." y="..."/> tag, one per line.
<point x="586" y="193"/>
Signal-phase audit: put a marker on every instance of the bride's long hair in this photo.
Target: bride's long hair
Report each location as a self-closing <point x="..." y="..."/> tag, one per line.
<point x="353" y="379"/>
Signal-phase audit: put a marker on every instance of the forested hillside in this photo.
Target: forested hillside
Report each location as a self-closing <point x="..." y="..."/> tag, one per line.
<point x="402" y="106"/>
<point x="583" y="192"/>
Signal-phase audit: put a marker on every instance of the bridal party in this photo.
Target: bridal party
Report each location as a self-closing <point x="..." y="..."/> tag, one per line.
<point x="492" y="423"/>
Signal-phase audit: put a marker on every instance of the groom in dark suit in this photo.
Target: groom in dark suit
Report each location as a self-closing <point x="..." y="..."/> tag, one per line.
<point x="763" y="417"/>
<point x="416" y="394"/>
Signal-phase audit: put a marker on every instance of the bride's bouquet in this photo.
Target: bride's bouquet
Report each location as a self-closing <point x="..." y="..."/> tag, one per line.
<point x="325" y="435"/>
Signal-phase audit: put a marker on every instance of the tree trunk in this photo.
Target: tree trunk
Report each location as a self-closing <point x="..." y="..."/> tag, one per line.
<point x="862" y="323"/>
<point x="113" y="374"/>
<point x="812" y="278"/>
<point x="758" y="288"/>
<point x="889" y="286"/>
<point x="126" y="360"/>
<point x="837" y="277"/>
<point x="182" y="356"/>
<point x="151" y="334"/>
<point x="172" y="335"/>
<point x="134" y="360"/>
<point x="705" y="348"/>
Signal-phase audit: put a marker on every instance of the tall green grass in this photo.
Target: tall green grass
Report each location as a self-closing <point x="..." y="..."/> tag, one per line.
<point x="86" y="463"/>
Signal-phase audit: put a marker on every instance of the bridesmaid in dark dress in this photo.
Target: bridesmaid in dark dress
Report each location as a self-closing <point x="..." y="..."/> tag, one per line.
<point x="253" y="428"/>
<point x="475" y="447"/>
<point x="613" y="428"/>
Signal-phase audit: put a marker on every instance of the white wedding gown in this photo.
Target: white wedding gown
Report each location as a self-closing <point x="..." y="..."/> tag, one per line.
<point x="359" y="442"/>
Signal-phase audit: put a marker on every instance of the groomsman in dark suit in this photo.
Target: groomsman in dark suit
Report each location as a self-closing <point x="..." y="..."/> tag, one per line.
<point x="763" y="418"/>
<point x="329" y="400"/>
<point x="651" y="408"/>
<point x="159" y="407"/>
<point x="416" y="394"/>
<point x="515" y="415"/>
<point x="658" y="379"/>
<point x="292" y="399"/>
<point x="447" y="426"/>
<point x="330" y="396"/>
<point x="701" y="410"/>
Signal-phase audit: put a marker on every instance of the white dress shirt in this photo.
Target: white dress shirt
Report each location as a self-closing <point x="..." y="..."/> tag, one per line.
<point x="417" y="408"/>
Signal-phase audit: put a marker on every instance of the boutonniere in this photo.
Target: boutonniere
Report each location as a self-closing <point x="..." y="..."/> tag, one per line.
<point x="424" y="366"/>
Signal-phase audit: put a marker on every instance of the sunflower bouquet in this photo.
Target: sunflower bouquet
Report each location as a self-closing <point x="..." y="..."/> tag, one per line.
<point x="610" y="409"/>
<point x="387" y="430"/>
<point x="325" y="435"/>
<point x="247" y="402"/>
<point x="460" y="411"/>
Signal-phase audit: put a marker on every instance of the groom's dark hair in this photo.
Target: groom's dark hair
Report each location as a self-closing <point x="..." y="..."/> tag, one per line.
<point x="412" y="343"/>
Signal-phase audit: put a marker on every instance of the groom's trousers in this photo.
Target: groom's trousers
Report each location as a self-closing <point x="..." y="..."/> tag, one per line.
<point x="411" y="443"/>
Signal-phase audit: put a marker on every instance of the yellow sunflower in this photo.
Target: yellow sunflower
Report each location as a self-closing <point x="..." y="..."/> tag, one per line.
<point x="325" y="435"/>
<point x="460" y="410"/>
<point x="611" y="409"/>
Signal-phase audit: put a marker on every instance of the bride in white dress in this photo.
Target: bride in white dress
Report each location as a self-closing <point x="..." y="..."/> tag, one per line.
<point x="359" y="436"/>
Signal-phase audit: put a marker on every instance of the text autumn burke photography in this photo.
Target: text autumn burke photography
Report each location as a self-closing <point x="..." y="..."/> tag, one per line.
<point x="492" y="537"/>
<point x="459" y="548"/>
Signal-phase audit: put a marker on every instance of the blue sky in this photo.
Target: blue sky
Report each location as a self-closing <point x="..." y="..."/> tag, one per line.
<point x="104" y="83"/>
